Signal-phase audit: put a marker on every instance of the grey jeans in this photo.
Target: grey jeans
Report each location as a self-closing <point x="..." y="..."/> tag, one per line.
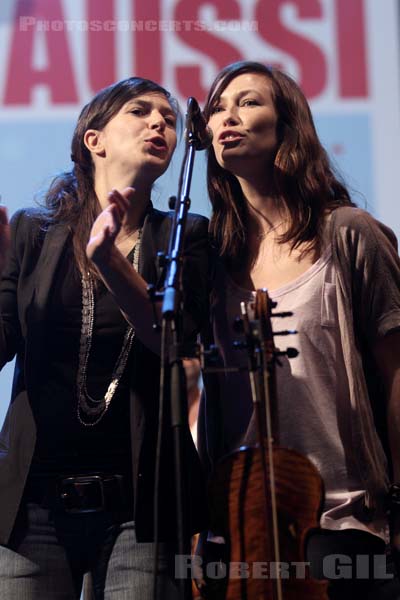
<point x="48" y="556"/>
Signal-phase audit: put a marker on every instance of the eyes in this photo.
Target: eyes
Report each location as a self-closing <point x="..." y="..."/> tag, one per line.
<point x="143" y="112"/>
<point x="243" y="103"/>
<point x="170" y="121"/>
<point x="250" y="102"/>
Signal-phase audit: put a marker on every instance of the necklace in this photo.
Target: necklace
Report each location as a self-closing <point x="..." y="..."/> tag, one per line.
<point x="264" y="234"/>
<point x="87" y="405"/>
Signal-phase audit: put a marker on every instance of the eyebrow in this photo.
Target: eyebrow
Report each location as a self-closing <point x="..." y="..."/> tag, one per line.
<point x="239" y="94"/>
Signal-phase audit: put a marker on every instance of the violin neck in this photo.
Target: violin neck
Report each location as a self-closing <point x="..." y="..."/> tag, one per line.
<point x="266" y="406"/>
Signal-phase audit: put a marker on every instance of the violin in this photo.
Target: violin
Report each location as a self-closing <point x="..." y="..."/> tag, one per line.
<point x="265" y="500"/>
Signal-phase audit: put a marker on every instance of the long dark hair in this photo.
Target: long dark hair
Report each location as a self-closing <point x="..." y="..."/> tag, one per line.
<point x="302" y="174"/>
<point x="71" y="198"/>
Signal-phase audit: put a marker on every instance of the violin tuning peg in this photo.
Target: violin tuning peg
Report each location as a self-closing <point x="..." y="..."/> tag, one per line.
<point x="291" y="352"/>
<point x="285" y="332"/>
<point x="282" y="315"/>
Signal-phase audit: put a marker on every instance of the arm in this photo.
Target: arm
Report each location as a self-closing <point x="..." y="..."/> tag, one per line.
<point x="377" y="283"/>
<point x="368" y="266"/>
<point x="10" y="331"/>
<point x="387" y="356"/>
<point x="130" y="289"/>
<point x="125" y="284"/>
<point x="4" y="237"/>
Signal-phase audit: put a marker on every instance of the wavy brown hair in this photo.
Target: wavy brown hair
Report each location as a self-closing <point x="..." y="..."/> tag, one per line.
<point x="303" y="177"/>
<point x="71" y="198"/>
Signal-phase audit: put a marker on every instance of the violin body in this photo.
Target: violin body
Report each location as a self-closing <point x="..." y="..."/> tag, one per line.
<point x="239" y="513"/>
<point x="266" y="499"/>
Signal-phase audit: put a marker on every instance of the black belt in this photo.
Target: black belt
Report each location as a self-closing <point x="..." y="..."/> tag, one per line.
<point x="92" y="493"/>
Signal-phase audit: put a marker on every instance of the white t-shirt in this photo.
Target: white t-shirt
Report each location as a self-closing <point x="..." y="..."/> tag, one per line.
<point x="312" y="389"/>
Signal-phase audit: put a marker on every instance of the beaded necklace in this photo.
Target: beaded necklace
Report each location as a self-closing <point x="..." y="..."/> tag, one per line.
<point x="88" y="406"/>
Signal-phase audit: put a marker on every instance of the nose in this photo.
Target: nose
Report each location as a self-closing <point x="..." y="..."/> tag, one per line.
<point x="231" y="116"/>
<point x="157" y="121"/>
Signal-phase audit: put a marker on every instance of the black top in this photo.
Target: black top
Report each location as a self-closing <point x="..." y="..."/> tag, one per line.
<point x="63" y="444"/>
<point x="26" y="288"/>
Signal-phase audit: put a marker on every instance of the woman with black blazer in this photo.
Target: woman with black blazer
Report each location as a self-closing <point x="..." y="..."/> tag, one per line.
<point x="77" y="448"/>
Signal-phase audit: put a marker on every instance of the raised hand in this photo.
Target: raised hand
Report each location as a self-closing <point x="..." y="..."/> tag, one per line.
<point x="108" y="224"/>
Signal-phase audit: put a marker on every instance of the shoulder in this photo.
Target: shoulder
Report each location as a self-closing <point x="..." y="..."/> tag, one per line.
<point x="27" y="220"/>
<point x="353" y="225"/>
<point x="197" y="225"/>
<point x="28" y="230"/>
<point x="29" y="217"/>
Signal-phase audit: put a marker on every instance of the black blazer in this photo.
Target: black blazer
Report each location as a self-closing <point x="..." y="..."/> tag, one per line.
<point x="24" y="290"/>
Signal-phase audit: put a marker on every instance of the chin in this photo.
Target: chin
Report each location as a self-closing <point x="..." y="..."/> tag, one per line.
<point x="156" y="169"/>
<point x="229" y="161"/>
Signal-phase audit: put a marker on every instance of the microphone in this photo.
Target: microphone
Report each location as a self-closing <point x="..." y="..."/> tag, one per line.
<point x="196" y="126"/>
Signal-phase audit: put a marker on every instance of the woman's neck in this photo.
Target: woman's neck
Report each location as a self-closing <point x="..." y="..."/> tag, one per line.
<point x="137" y="208"/>
<point x="265" y="209"/>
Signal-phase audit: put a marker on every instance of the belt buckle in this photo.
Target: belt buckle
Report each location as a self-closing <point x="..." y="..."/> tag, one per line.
<point x="82" y="494"/>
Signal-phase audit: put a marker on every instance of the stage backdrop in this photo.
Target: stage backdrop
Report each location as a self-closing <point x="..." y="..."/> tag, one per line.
<point x="55" y="54"/>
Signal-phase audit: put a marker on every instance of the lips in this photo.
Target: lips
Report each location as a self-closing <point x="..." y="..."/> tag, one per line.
<point x="158" y="142"/>
<point x="228" y="136"/>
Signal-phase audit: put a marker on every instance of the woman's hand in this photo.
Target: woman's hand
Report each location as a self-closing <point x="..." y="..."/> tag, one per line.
<point x="4" y="237"/>
<point x="107" y="225"/>
<point x="209" y="553"/>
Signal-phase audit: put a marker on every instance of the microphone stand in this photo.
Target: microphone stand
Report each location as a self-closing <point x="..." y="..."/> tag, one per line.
<point x="172" y="352"/>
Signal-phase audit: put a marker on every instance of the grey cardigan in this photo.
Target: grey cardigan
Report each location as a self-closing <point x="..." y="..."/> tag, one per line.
<point x="368" y="298"/>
